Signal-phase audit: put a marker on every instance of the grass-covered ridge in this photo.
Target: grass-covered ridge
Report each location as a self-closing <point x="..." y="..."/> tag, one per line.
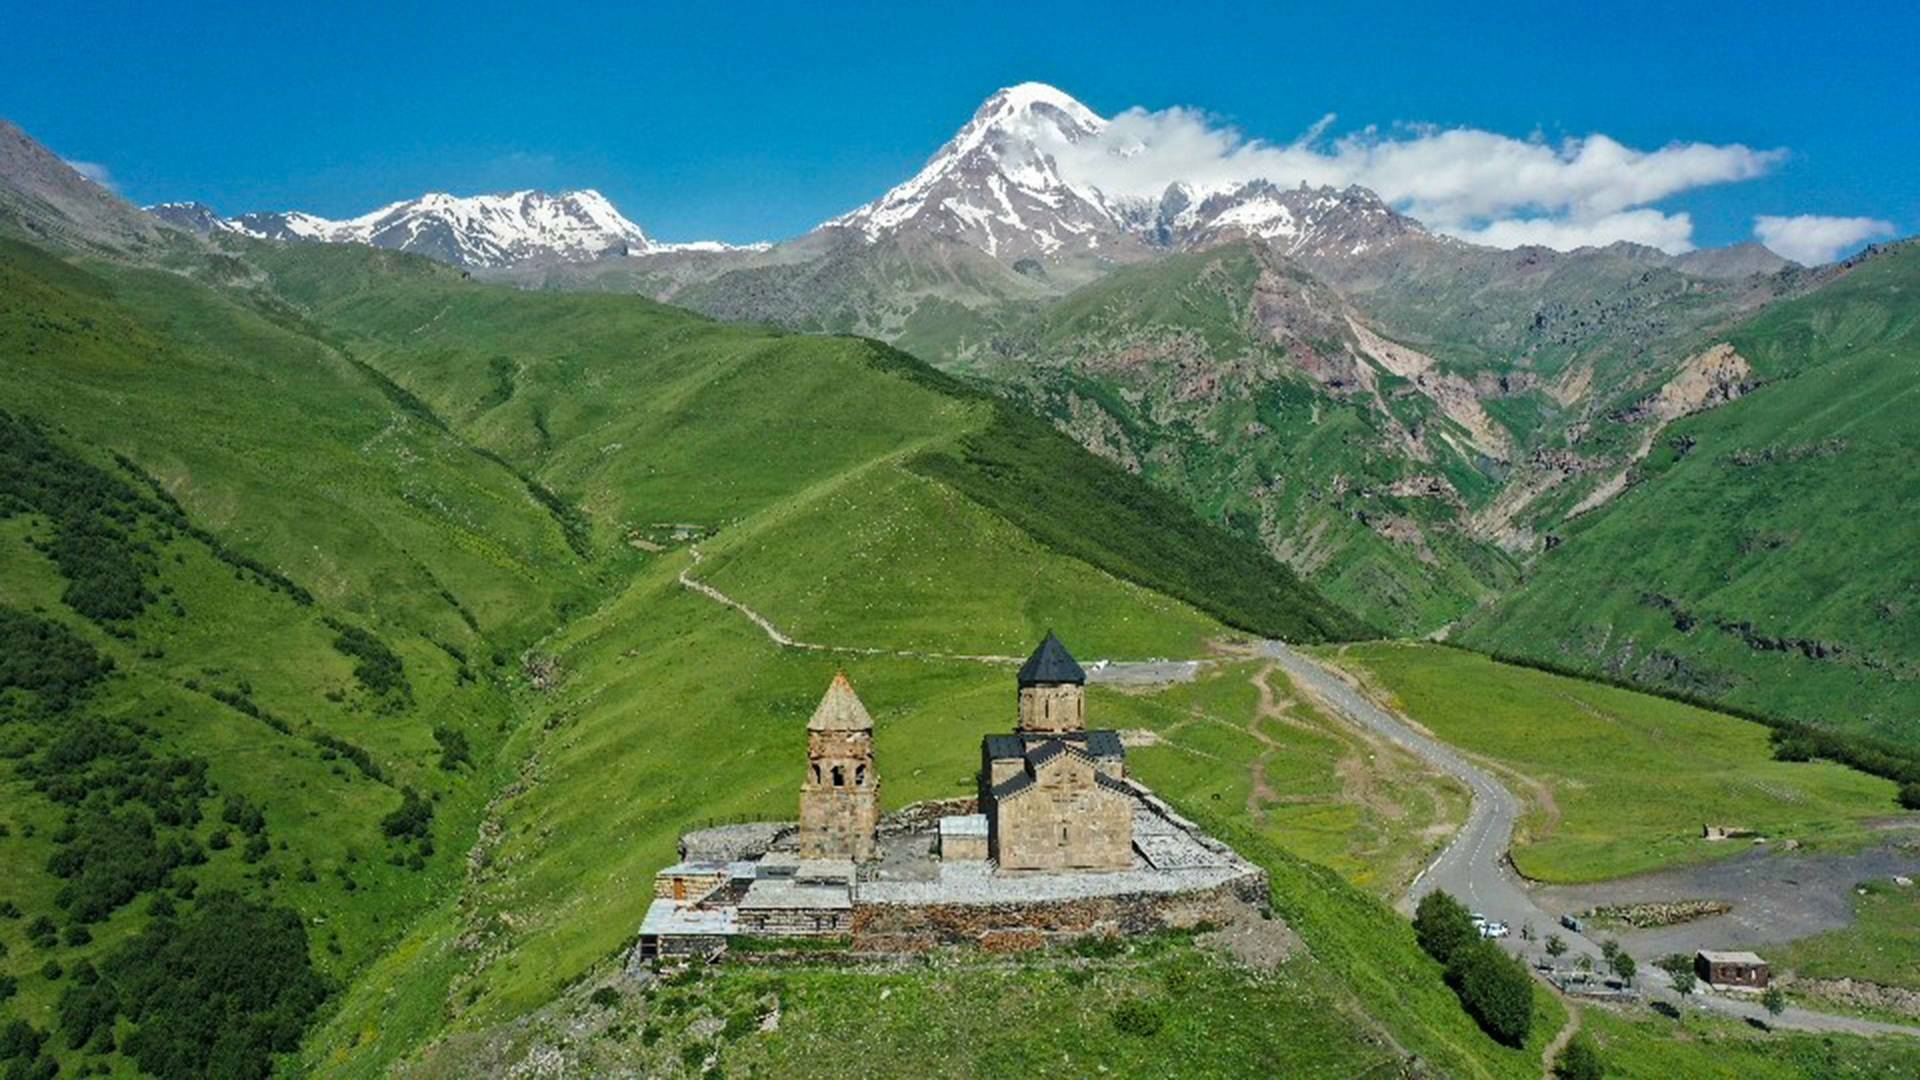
<point x="1763" y="557"/>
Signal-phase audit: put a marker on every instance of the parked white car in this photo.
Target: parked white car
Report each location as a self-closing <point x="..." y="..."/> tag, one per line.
<point x="1494" y="930"/>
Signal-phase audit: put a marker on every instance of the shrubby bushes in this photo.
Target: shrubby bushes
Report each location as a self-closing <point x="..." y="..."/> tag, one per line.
<point x="375" y="666"/>
<point x="94" y="516"/>
<point x="216" y="994"/>
<point x="1493" y="987"/>
<point x="46" y="659"/>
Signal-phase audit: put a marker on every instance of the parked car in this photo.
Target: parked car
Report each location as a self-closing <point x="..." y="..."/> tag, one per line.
<point x="1494" y="930"/>
<point x="1570" y="923"/>
<point x="1478" y="920"/>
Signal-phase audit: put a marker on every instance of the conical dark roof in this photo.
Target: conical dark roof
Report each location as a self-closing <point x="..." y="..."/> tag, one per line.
<point x="1051" y="663"/>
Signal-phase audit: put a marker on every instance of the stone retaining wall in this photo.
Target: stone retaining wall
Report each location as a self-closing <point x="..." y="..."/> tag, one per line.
<point x="1021" y="926"/>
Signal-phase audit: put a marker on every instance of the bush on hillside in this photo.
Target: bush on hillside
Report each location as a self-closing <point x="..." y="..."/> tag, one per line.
<point x="376" y="667"/>
<point x="1443" y="926"/>
<point x="217" y="994"/>
<point x="47" y="660"/>
<point x="1910" y="795"/>
<point x="1495" y="989"/>
<point x="1578" y="1060"/>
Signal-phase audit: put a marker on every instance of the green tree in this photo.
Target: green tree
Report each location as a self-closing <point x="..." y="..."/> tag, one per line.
<point x="1774" y="1000"/>
<point x="1556" y="946"/>
<point x="1443" y="925"/>
<point x="1578" y="1060"/>
<point x="1622" y="965"/>
<point x="1495" y="989"/>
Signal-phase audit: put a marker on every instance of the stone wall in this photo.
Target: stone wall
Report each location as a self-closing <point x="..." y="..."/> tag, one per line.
<point x="794" y="922"/>
<point x="1053" y="708"/>
<point x="1065" y="821"/>
<point x="1016" y="927"/>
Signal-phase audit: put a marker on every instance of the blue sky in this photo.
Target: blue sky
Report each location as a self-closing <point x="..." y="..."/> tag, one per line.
<point x="746" y="121"/>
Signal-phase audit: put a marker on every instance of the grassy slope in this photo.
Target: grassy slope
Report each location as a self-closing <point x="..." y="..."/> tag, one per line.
<point x="1307" y="783"/>
<point x="1784" y="530"/>
<point x="1628" y="778"/>
<point x="1883" y="946"/>
<point x="643" y="414"/>
<point x="292" y="458"/>
<point x="1164" y="365"/>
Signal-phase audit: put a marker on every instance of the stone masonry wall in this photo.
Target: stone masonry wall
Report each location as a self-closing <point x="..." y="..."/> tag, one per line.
<point x="1016" y="927"/>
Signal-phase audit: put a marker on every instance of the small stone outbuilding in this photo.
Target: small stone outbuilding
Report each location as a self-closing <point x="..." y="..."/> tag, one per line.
<point x="1731" y="970"/>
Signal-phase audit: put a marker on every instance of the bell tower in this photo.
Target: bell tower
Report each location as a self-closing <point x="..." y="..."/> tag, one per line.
<point x="840" y="797"/>
<point x="1053" y="690"/>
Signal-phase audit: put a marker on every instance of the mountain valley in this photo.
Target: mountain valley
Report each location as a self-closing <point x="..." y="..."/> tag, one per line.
<point x="384" y="598"/>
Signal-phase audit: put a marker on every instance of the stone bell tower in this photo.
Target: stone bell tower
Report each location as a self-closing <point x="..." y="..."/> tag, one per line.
<point x="1053" y="690"/>
<point x="840" y="798"/>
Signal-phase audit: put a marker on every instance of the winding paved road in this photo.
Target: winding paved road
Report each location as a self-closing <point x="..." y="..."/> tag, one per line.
<point x="1474" y="865"/>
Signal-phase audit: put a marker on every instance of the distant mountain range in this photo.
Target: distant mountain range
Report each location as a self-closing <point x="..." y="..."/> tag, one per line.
<point x="480" y="231"/>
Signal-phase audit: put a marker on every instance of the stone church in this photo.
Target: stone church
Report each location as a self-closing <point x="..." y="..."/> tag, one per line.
<point x="1051" y="795"/>
<point x="1051" y="791"/>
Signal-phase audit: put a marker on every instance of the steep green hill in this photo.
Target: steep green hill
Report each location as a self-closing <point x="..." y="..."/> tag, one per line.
<point x="1764" y="555"/>
<point x="287" y="529"/>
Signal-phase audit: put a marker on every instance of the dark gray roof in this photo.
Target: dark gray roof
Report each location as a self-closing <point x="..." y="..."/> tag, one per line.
<point x="1013" y="785"/>
<point x="1047" y="751"/>
<point x="1105" y="781"/>
<point x="1001" y="747"/>
<point x="1095" y="744"/>
<point x="1051" y="663"/>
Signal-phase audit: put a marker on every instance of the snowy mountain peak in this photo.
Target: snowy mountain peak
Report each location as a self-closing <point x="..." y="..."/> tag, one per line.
<point x="481" y="231"/>
<point x="994" y="185"/>
<point x="998" y="185"/>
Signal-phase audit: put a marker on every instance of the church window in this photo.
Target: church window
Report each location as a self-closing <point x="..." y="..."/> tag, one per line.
<point x="859" y="776"/>
<point x="816" y="774"/>
<point x="839" y="776"/>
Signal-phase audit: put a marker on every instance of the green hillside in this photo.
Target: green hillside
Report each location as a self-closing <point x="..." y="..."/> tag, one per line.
<point x="1764" y="555"/>
<point x="287" y="555"/>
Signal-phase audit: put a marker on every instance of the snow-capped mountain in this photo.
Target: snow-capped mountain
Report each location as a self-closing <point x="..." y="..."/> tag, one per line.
<point x="1307" y="222"/>
<point x="998" y="185"/>
<point x="479" y="231"/>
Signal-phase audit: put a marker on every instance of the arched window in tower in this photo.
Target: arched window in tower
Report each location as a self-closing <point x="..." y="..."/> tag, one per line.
<point x="816" y="774"/>
<point x="839" y="776"/>
<point x="859" y="776"/>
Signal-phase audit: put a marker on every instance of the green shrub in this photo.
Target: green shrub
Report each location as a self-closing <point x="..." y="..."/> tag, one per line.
<point x="233" y="967"/>
<point x="1495" y="989"/>
<point x="1137" y="1017"/>
<point x="1443" y="925"/>
<point x="1578" y="1060"/>
<point x="606" y="997"/>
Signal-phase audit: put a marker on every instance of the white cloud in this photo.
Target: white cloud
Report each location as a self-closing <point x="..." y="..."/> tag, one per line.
<point x="1479" y="184"/>
<point x="1668" y="232"/>
<point x="1811" y="240"/>
<point x="95" y="172"/>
